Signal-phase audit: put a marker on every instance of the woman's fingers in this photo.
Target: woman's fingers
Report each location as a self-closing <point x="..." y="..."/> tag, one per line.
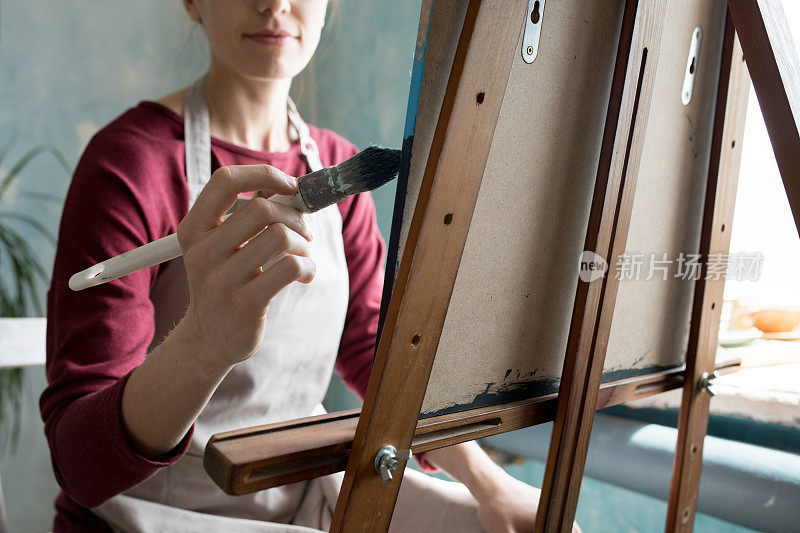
<point x="276" y="239"/>
<point x="251" y="219"/>
<point x="225" y="185"/>
<point x="291" y="268"/>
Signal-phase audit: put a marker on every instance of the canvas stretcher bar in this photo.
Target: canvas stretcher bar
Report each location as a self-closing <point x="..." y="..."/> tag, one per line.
<point x="609" y="220"/>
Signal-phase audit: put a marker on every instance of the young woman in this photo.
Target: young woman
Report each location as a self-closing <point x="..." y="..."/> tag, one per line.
<point x="143" y="370"/>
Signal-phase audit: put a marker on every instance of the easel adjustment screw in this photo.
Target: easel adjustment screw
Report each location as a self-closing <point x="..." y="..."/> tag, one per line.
<point x="387" y="459"/>
<point x="707" y="382"/>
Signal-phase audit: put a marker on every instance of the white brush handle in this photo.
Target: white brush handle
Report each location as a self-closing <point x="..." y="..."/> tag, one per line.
<point x="145" y="256"/>
<point x="151" y="254"/>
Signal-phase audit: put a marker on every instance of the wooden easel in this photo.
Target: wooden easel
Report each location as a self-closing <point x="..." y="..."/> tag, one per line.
<point x="257" y="458"/>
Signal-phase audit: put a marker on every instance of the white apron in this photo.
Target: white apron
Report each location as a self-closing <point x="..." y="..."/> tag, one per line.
<point x="286" y="378"/>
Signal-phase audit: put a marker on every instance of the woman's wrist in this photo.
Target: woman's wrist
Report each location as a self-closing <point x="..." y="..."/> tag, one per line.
<point x="485" y="479"/>
<point x="201" y="357"/>
<point x="471" y="466"/>
<point x="166" y="393"/>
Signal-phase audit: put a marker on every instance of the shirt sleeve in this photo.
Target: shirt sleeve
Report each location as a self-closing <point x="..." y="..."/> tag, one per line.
<point x="364" y="250"/>
<point x="119" y="199"/>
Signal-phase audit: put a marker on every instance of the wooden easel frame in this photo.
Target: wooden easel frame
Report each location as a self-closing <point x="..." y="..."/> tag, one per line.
<point x="256" y="458"/>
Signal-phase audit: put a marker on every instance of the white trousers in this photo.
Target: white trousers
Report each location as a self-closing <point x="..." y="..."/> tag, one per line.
<point x="424" y="504"/>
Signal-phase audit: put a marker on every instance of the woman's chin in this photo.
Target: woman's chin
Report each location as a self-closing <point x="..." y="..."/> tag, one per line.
<point x="273" y="67"/>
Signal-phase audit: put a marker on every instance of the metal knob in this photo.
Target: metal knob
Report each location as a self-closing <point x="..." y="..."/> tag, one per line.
<point x="388" y="459"/>
<point x="707" y="382"/>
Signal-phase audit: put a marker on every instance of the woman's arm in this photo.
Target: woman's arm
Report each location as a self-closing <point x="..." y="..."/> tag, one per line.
<point x="97" y="340"/>
<point x="229" y="297"/>
<point x="165" y="394"/>
<point x="119" y="198"/>
<point x="504" y="503"/>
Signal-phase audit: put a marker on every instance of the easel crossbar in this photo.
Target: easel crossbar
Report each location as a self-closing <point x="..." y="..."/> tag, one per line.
<point x="253" y="459"/>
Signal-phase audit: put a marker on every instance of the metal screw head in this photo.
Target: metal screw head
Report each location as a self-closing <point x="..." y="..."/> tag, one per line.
<point x="388" y="459"/>
<point x="707" y="382"/>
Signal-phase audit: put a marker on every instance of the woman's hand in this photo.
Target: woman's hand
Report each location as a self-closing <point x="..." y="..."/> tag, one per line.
<point x="510" y="506"/>
<point x="228" y="300"/>
<point x="228" y="293"/>
<point x="505" y="504"/>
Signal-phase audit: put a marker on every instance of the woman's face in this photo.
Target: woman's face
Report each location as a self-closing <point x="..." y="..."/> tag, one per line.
<point x="264" y="39"/>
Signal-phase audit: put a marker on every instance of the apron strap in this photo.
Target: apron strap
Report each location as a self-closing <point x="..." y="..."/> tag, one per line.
<point x="308" y="147"/>
<point x="197" y="134"/>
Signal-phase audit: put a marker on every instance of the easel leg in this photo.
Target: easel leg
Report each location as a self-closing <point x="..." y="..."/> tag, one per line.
<point x="731" y="109"/>
<point x="774" y="67"/>
<point x="609" y="219"/>
<point x="427" y="273"/>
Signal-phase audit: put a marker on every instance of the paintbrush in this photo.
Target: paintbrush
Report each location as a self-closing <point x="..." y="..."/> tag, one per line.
<point x="367" y="170"/>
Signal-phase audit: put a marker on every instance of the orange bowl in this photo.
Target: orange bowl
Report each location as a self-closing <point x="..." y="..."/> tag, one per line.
<point x="776" y="320"/>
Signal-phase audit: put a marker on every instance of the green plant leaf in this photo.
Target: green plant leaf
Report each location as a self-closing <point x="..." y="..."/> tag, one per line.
<point x="10" y="404"/>
<point x="13" y="173"/>
<point x="17" y="301"/>
<point x="46" y="196"/>
<point x="18" y="259"/>
<point x="38" y="226"/>
<point x="25" y="266"/>
<point x="4" y="151"/>
<point x="19" y="248"/>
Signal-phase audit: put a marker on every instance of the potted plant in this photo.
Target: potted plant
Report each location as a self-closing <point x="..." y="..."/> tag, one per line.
<point x="20" y="268"/>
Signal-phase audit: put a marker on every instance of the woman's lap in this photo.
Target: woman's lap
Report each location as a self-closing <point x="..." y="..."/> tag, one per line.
<point x="424" y="504"/>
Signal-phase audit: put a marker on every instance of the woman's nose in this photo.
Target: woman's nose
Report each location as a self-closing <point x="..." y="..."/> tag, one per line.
<point x="275" y="6"/>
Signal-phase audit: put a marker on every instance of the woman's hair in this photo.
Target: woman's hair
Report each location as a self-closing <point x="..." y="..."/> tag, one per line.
<point x="305" y="84"/>
<point x="333" y="8"/>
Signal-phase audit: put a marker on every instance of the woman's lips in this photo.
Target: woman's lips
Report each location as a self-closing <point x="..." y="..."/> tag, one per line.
<point x="274" y="38"/>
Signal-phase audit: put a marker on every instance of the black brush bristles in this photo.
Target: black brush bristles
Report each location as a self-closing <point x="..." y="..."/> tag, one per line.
<point x="367" y="170"/>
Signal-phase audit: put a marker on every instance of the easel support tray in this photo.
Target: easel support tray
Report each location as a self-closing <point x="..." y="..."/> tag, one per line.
<point x="258" y="458"/>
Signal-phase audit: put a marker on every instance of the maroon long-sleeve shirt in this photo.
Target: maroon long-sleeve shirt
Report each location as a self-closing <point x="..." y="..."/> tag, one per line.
<point x="130" y="189"/>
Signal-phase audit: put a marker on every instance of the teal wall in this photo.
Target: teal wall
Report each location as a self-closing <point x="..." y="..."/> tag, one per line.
<point x="68" y="68"/>
<point x="357" y="83"/>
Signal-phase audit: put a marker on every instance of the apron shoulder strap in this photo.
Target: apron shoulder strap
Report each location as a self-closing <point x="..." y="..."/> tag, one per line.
<point x="308" y="147"/>
<point x="197" y="134"/>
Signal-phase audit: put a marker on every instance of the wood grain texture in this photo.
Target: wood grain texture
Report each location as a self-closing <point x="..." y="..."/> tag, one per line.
<point x="626" y="123"/>
<point x="430" y="259"/>
<point x="258" y="458"/>
<point x="252" y="459"/>
<point x="438" y="37"/>
<point x="731" y="110"/>
<point x="775" y="70"/>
